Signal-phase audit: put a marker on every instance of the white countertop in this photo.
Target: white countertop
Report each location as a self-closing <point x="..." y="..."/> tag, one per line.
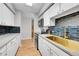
<point x="5" y="38"/>
<point x="58" y="45"/>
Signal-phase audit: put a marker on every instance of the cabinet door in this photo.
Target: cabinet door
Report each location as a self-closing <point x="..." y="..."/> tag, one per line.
<point x="18" y="41"/>
<point x="46" y="48"/>
<point x="0" y="13"/>
<point x="51" y="12"/>
<point x="14" y="45"/>
<point x="58" y="51"/>
<point x="67" y="6"/>
<point x="46" y="19"/>
<point x="54" y="10"/>
<point x="7" y="16"/>
<point x="41" y="45"/>
<point x="9" y="49"/>
<point x="12" y="48"/>
<point x="11" y="18"/>
<point x="48" y="51"/>
<point x="52" y="22"/>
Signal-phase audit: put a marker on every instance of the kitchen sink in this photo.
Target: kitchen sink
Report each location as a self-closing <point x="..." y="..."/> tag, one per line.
<point x="67" y="43"/>
<point x="58" y="40"/>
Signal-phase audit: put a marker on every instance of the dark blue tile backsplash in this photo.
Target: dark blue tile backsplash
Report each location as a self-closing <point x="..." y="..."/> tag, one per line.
<point x="9" y="29"/>
<point x="59" y="31"/>
<point x="72" y="32"/>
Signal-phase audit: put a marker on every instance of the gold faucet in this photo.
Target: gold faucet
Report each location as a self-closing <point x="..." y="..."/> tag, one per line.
<point x="65" y="33"/>
<point x="49" y="32"/>
<point x="66" y="36"/>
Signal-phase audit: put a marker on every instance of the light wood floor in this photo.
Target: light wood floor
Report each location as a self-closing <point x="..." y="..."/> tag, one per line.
<point x="27" y="49"/>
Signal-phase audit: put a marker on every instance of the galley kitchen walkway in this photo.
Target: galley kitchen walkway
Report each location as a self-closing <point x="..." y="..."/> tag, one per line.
<point x="27" y="49"/>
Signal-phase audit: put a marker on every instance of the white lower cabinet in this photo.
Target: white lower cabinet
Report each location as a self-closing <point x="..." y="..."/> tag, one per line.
<point x="43" y="47"/>
<point x="48" y="49"/>
<point x="18" y="41"/>
<point x="11" y="48"/>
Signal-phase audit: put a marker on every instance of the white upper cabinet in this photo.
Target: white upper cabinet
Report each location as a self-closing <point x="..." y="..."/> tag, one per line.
<point x="46" y="19"/>
<point x="43" y="47"/>
<point x="67" y="6"/>
<point x="6" y="16"/>
<point x="58" y="8"/>
<point x="11" y="18"/>
<point x="54" y="10"/>
<point x="52" y="21"/>
<point x="51" y="12"/>
<point x="0" y="13"/>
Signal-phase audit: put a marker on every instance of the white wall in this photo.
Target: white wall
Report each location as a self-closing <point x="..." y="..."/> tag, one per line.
<point x="25" y="21"/>
<point x="26" y="25"/>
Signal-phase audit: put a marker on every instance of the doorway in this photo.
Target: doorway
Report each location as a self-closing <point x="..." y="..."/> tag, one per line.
<point x="33" y="30"/>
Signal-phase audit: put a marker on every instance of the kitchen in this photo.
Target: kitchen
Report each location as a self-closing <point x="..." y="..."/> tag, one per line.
<point x="40" y="29"/>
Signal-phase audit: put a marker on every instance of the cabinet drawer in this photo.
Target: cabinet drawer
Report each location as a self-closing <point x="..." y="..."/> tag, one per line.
<point x="3" y="51"/>
<point x="58" y="51"/>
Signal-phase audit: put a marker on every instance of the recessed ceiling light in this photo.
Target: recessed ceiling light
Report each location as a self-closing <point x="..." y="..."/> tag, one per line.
<point x="29" y="4"/>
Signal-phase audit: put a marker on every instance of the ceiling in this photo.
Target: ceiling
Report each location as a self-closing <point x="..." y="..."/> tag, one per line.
<point x="35" y="8"/>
